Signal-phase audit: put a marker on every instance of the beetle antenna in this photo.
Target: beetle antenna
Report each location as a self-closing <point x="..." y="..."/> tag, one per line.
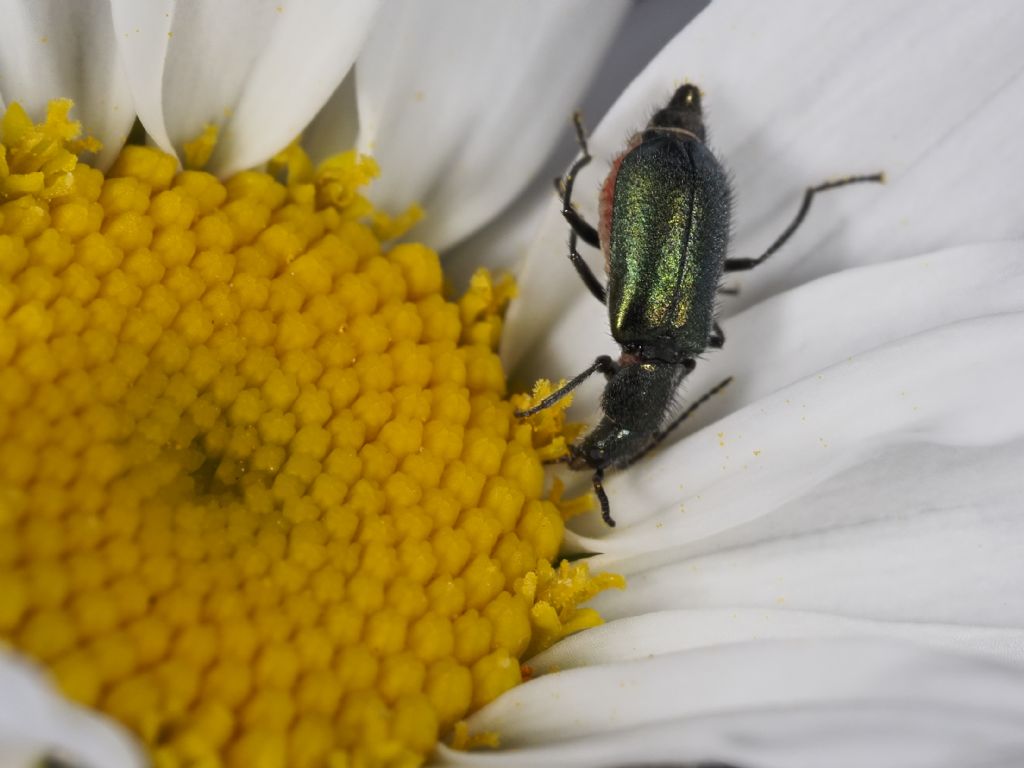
<point x="604" y="364"/>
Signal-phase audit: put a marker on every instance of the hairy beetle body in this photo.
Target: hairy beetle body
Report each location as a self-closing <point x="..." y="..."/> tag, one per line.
<point x="664" y="224"/>
<point x="667" y="239"/>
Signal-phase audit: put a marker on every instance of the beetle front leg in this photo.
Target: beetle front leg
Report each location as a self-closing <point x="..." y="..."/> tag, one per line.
<point x="602" y="498"/>
<point x="604" y="364"/>
<point x="739" y="265"/>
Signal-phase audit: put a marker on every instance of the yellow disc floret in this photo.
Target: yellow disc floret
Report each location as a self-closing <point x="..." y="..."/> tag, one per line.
<point x="262" y="497"/>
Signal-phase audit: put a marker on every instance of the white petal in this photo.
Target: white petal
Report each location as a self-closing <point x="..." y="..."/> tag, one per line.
<point x="500" y="244"/>
<point x="811" y="91"/>
<point x="461" y="102"/>
<point x="681" y="629"/>
<point x="260" y="69"/>
<point x="877" y="541"/>
<point x="780" y="704"/>
<point x="143" y="36"/>
<point x="37" y="722"/>
<point x="52" y="49"/>
<point x="336" y="126"/>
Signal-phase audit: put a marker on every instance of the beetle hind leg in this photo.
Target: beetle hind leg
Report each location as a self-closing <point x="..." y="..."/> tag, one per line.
<point x="739" y="265"/>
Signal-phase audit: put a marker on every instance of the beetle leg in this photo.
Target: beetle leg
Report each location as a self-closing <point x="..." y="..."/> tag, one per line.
<point x="717" y="339"/>
<point x="602" y="498"/>
<point x="564" y="186"/>
<point x="584" y="271"/>
<point x="604" y="364"/>
<point x="738" y="265"/>
<point x="579" y="226"/>
<point x="662" y="434"/>
<point x="577" y="223"/>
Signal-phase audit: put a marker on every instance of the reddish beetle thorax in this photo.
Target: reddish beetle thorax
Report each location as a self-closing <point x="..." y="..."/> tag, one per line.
<point x="604" y="222"/>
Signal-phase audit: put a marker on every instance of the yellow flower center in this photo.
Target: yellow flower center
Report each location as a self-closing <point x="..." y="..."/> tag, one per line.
<point x="262" y="498"/>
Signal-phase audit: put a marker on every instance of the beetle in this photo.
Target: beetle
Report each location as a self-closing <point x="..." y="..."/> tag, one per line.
<point x="665" y="216"/>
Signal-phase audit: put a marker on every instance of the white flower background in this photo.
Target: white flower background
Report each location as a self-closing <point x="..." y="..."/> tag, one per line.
<point x="825" y="567"/>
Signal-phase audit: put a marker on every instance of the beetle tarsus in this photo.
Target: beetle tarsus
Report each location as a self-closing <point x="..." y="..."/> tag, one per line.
<point x="581" y="133"/>
<point x="602" y="498"/>
<point x="739" y="265"/>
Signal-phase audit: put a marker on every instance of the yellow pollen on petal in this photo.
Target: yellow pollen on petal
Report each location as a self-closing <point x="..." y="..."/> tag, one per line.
<point x="263" y="498"/>
<point x="198" y="151"/>
<point x="464" y="740"/>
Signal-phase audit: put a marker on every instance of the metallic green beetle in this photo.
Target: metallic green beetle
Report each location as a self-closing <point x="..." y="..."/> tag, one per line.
<point x="664" y="228"/>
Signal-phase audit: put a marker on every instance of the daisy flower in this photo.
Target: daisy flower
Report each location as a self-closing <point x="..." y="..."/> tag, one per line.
<point x="264" y="501"/>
